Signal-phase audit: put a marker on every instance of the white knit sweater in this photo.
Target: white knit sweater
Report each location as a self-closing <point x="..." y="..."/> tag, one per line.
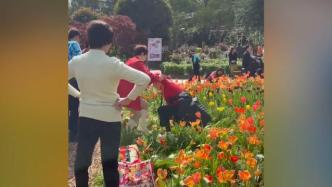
<point x="98" y="76"/>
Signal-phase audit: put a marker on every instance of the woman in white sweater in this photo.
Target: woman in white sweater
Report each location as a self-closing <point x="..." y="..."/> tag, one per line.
<point x="98" y="77"/>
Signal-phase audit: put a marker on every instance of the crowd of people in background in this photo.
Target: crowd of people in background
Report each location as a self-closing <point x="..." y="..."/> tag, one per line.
<point x="251" y="57"/>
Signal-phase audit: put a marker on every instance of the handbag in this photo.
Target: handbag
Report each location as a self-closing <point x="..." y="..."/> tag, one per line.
<point x="133" y="171"/>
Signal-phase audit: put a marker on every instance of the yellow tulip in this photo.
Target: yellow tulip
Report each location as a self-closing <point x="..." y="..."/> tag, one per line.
<point x="220" y="109"/>
<point x="211" y="103"/>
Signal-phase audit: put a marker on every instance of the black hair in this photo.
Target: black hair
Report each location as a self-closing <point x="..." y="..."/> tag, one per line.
<point x="73" y="32"/>
<point x="139" y="49"/>
<point x="99" y="34"/>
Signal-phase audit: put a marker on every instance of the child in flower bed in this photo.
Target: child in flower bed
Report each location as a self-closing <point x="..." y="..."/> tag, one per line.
<point x="180" y="106"/>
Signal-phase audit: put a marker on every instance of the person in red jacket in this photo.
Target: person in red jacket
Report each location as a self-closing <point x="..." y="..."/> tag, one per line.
<point x="180" y="106"/>
<point x="138" y="107"/>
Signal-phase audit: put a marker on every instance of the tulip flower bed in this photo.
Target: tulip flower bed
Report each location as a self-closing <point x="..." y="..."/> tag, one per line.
<point x="228" y="152"/>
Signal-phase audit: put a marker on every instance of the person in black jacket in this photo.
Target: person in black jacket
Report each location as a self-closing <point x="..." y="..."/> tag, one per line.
<point x="232" y="59"/>
<point x="248" y="61"/>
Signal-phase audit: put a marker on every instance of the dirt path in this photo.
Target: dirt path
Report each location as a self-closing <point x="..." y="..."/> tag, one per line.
<point x="94" y="169"/>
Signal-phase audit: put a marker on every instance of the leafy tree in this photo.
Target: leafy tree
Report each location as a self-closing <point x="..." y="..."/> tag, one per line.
<point x="153" y="17"/>
<point x="124" y="33"/>
<point x="84" y="15"/>
<point x="250" y="15"/>
<point x="187" y="6"/>
<point x="101" y="6"/>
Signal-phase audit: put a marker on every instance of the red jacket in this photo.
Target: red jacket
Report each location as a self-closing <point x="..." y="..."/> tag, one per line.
<point x="125" y="87"/>
<point x="171" y="90"/>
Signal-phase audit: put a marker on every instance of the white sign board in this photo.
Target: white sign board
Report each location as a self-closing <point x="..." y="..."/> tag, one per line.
<point x="154" y="49"/>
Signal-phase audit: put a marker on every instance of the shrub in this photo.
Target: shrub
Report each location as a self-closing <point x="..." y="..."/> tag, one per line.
<point x="170" y="68"/>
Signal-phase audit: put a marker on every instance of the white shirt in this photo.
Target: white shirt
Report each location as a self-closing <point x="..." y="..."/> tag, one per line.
<point x="98" y="76"/>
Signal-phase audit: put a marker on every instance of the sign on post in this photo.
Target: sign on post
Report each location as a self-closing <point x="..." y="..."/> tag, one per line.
<point x="154" y="49"/>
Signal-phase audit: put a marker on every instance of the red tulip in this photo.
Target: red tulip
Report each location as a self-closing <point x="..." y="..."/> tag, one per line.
<point x="234" y="159"/>
<point x="243" y="100"/>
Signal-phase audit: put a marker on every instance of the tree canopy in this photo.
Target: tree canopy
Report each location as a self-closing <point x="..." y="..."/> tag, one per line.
<point x="153" y="17"/>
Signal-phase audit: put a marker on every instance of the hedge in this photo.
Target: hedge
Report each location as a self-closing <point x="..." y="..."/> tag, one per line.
<point x="170" y="68"/>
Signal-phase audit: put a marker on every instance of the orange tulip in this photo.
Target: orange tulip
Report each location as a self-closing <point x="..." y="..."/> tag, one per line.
<point x="221" y="155"/>
<point x="223" y="145"/>
<point x="197" y="164"/>
<point x="228" y="175"/>
<point x="251" y="162"/>
<point x="196" y="123"/>
<point x="232" y="139"/>
<point x="244" y="175"/>
<point x="162" y="173"/>
<point x="213" y="133"/>
<point x="201" y="154"/>
<point x="253" y="140"/>
<point x="261" y="123"/>
<point x="248" y="155"/>
<point x="182" y="123"/>
<point x="189" y="181"/>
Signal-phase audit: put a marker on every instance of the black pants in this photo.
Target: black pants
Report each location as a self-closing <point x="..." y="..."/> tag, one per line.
<point x="73" y="104"/>
<point x="183" y="109"/>
<point x="196" y="72"/>
<point x="166" y="113"/>
<point x="89" y="132"/>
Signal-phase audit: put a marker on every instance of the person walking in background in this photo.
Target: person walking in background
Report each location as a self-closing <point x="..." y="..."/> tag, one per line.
<point x="232" y="60"/>
<point x="98" y="76"/>
<point x="195" y="59"/>
<point x="74" y="49"/>
<point x="139" y="107"/>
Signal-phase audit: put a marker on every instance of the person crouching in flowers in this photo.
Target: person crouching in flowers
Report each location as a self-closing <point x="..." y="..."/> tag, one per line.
<point x="180" y="106"/>
<point x="214" y="75"/>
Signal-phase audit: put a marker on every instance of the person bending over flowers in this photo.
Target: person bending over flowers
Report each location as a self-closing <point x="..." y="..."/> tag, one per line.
<point x="180" y="106"/>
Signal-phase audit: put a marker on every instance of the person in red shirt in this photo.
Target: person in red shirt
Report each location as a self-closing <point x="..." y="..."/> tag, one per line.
<point x="180" y="106"/>
<point x="138" y="107"/>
